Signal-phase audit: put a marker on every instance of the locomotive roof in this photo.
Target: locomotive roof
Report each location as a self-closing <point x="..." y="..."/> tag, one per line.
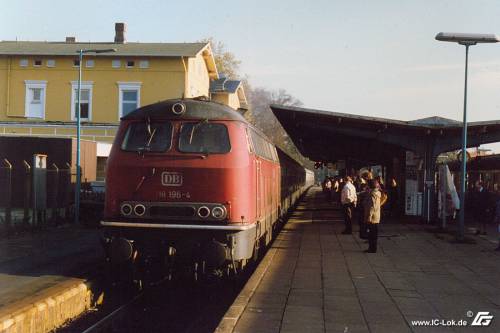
<point x="197" y="109"/>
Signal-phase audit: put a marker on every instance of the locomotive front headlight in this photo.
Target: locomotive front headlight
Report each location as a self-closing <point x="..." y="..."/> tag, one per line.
<point x="139" y="209"/>
<point x="203" y="212"/>
<point x="178" y="108"/>
<point x="126" y="209"/>
<point x="219" y="212"/>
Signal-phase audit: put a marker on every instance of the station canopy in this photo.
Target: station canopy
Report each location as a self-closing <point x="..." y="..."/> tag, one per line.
<point x="328" y="136"/>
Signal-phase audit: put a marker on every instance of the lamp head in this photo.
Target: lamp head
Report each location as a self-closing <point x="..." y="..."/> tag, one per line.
<point x="467" y="38"/>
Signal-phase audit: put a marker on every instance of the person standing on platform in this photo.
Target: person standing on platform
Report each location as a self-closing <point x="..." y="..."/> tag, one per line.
<point x="348" y="199"/>
<point x="328" y="189"/>
<point x="363" y="193"/>
<point x="497" y="219"/>
<point x="392" y="192"/>
<point x="372" y="215"/>
<point x="481" y="207"/>
<point x="336" y="189"/>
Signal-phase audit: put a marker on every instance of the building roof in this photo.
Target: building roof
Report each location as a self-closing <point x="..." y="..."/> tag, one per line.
<point x="224" y="85"/>
<point x="331" y="136"/>
<point x="125" y="49"/>
<point x="435" y="122"/>
<point x="478" y="163"/>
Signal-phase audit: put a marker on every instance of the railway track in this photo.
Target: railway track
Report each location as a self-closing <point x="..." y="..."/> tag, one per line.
<point x="181" y="305"/>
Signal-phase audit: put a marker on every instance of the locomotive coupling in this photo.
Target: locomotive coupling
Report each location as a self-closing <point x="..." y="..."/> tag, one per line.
<point x="118" y="249"/>
<point x="214" y="253"/>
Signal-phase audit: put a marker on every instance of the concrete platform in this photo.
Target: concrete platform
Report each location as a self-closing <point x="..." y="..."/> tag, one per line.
<point x="314" y="279"/>
<point x="43" y="277"/>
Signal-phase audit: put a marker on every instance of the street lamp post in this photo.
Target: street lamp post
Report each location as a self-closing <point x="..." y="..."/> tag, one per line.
<point x="81" y="52"/>
<point x="467" y="40"/>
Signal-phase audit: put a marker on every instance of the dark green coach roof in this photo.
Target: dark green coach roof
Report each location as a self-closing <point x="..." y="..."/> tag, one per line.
<point x="126" y="49"/>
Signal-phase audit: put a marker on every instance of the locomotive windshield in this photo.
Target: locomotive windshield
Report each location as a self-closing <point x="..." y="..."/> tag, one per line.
<point x="148" y="136"/>
<point x="204" y="137"/>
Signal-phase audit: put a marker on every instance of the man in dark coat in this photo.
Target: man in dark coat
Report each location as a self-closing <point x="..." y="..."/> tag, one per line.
<point x="363" y="193"/>
<point x="481" y="207"/>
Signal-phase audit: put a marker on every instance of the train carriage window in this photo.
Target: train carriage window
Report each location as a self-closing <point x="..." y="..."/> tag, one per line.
<point x="204" y="137"/>
<point x="153" y="137"/>
<point x="260" y="144"/>
<point x="256" y="142"/>
<point x="251" y="149"/>
<point x="267" y="150"/>
<point x="270" y="151"/>
<point x="270" y="148"/>
<point x="263" y="148"/>
<point x="275" y="154"/>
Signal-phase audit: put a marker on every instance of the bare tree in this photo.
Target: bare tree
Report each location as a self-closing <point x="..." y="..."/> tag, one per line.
<point x="226" y="61"/>
<point x="259" y="100"/>
<point x="263" y="118"/>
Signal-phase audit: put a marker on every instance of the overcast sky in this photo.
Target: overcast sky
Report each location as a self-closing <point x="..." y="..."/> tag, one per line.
<point x="375" y="58"/>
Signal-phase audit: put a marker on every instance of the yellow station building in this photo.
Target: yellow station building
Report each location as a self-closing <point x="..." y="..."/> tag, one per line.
<point x="39" y="80"/>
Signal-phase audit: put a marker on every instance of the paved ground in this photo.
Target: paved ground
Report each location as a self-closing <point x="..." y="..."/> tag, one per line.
<point x="33" y="263"/>
<point x="321" y="281"/>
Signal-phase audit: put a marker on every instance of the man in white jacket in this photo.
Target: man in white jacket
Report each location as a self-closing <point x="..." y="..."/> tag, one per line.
<point x="348" y="198"/>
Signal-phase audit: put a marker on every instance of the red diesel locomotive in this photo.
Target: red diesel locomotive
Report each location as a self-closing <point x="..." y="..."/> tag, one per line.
<point x="193" y="178"/>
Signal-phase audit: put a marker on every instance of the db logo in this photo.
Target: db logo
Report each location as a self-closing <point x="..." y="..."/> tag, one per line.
<point x="171" y="178"/>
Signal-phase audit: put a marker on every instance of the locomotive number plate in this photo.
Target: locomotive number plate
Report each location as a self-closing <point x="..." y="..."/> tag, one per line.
<point x="171" y="178"/>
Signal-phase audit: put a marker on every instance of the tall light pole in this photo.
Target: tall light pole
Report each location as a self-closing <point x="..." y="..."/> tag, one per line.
<point x="81" y="52"/>
<point x="466" y="40"/>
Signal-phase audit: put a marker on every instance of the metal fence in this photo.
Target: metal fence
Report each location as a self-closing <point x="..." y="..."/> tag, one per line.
<point x="32" y="198"/>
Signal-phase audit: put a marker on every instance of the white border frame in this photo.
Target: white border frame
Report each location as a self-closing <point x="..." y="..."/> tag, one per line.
<point x="30" y="84"/>
<point x="127" y="86"/>
<point x="85" y="85"/>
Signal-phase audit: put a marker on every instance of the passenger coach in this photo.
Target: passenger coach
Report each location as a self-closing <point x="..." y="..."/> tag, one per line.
<point x="195" y="179"/>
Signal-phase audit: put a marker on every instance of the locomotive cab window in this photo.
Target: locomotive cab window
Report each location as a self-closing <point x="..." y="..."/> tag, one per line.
<point x="204" y="137"/>
<point x="144" y="136"/>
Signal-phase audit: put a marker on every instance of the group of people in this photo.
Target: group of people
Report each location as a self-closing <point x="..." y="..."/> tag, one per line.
<point x="485" y="207"/>
<point x="363" y="197"/>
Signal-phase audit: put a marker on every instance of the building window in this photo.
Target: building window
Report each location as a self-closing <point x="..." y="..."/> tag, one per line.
<point x="144" y="64"/>
<point x="116" y="64"/>
<point x="34" y="106"/>
<point x="130" y="63"/>
<point x="85" y="101"/>
<point x="23" y="63"/>
<point x="129" y="97"/>
<point x="51" y="63"/>
<point x="37" y="62"/>
<point x="89" y="63"/>
<point x="76" y="63"/>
